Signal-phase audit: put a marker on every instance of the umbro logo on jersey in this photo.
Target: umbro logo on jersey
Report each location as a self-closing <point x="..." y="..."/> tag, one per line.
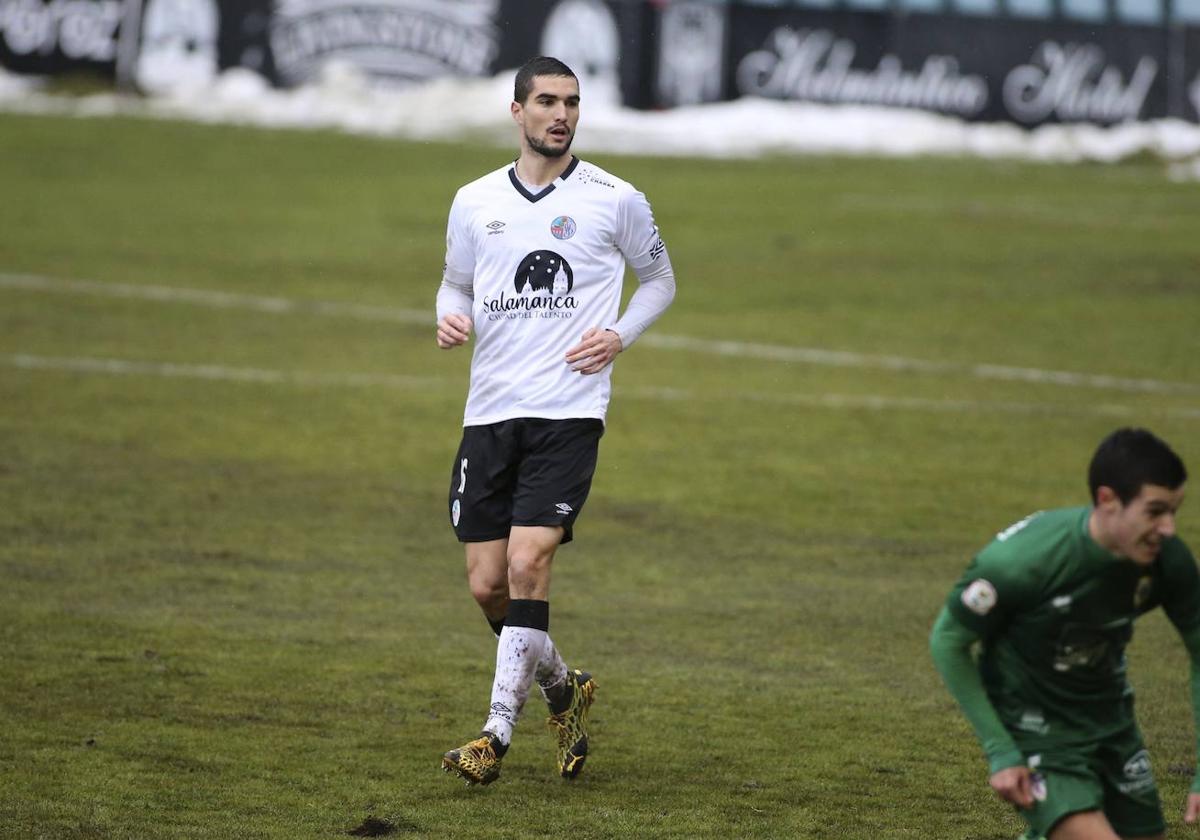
<point x="564" y="508"/>
<point x="495" y="227"/>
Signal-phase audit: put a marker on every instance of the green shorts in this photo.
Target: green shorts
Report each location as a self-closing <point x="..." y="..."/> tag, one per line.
<point x="1112" y="775"/>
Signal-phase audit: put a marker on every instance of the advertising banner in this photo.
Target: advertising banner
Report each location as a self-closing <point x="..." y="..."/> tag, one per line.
<point x="1185" y="96"/>
<point x="604" y="41"/>
<point x="50" y="37"/>
<point x="170" y="45"/>
<point x="1027" y="72"/>
<point x="644" y="53"/>
<point x="1049" y="71"/>
<point x="392" y="41"/>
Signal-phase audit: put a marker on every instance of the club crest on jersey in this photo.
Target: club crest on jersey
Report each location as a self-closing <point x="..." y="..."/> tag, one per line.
<point x="979" y="597"/>
<point x="563" y="227"/>
<point x="1145" y="588"/>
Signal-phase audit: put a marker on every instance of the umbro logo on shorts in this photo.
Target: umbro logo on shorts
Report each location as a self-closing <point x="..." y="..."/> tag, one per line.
<point x="564" y="508"/>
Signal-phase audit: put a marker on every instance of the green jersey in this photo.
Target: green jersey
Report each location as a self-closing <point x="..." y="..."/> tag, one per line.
<point x="1055" y="612"/>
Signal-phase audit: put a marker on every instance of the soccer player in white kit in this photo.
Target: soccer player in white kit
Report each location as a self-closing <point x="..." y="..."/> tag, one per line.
<point x="535" y="260"/>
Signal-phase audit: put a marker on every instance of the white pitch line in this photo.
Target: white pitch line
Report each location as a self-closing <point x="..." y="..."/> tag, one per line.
<point x="713" y="347"/>
<point x="875" y="402"/>
<point x="868" y="402"/>
<point x="845" y="358"/>
<point x="220" y="300"/>
<point x="173" y="370"/>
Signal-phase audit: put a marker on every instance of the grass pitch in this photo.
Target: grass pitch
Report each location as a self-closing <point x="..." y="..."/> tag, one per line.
<point x="232" y="606"/>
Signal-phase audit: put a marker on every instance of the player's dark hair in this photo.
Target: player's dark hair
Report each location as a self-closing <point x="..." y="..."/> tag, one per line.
<point x="1130" y="458"/>
<point x="543" y="65"/>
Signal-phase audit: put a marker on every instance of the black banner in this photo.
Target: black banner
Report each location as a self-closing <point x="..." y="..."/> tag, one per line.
<point x="1027" y="72"/>
<point x="600" y="39"/>
<point x="1042" y="72"/>
<point x="1184" y="96"/>
<point x="51" y="38"/>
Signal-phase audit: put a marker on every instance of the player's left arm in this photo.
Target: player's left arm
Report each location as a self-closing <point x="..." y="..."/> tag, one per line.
<point x="1181" y="602"/>
<point x="1191" y="638"/>
<point x="638" y="240"/>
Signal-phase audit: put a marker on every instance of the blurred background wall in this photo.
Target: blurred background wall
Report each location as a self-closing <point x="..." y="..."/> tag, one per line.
<point x="1027" y="62"/>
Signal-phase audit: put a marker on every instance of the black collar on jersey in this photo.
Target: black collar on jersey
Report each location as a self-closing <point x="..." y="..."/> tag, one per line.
<point x="516" y="182"/>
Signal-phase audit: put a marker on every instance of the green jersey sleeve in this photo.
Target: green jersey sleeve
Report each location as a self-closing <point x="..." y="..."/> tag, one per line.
<point x="1181" y="603"/>
<point x="1191" y="639"/>
<point x="950" y="647"/>
<point x="1000" y="581"/>
<point x="1181" y="590"/>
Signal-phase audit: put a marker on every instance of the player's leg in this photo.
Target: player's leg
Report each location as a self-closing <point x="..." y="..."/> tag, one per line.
<point x="1087" y="825"/>
<point x="552" y="489"/>
<point x="482" y="481"/>
<point x="530" y="555"/>
<point x="1131" y="801"/>
<point x="526" y="624"/>
<point x="487" y="576"/>
<point x="1068" y="795"/>
<point x="569" y="693"/>
<point x="1093" y="825"/>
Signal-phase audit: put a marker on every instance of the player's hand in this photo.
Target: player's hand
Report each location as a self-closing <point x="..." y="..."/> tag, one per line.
<point x="1192" y="813"/>
<point x="593" y="353"/>
<point x="1014" y="785"/>
<point x="453" y="330"/>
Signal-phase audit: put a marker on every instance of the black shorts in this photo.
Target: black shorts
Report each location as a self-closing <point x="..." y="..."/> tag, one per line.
<point x="527" y="471"/>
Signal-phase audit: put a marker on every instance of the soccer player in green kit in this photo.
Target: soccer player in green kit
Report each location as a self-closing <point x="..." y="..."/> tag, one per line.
<point x="1051" y="603"/>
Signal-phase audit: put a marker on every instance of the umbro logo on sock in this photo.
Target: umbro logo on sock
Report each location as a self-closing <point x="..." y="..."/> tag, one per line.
<point x="563" y="508"/>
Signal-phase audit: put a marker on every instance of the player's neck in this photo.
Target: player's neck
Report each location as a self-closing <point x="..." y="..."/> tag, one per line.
<point x="1098" y="530"/>
<point x="539" y="170"/>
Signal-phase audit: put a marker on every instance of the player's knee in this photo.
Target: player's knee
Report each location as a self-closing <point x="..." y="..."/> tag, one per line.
<point x="528" y="569"/>
<point x="490" y="593"/>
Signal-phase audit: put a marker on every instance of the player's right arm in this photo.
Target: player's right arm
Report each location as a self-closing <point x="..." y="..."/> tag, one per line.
<point x="456" y="295"/>
<point x="997" y="585"/>
<point x="950" y="645"/>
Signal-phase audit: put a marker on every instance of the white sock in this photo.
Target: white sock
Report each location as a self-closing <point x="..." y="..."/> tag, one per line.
<point x="517" y="657"/>
<point x="551" y="670"/>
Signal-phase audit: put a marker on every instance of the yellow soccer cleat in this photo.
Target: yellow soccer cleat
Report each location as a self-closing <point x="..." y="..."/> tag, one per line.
<point x="571" y="725"/>
<point x="477" y="761"/>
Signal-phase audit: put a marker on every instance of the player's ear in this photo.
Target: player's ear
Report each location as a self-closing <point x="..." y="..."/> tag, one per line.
<point x="515" y="110"/>
<point x="1107" y="498"/>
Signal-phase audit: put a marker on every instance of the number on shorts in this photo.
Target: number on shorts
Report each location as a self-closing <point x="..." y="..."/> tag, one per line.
<point x="462" y="472"/>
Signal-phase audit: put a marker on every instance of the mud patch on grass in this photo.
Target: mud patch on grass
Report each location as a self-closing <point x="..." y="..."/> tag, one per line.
<point x="381" y="827"/>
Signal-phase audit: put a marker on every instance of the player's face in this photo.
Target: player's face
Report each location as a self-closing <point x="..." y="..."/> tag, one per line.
<point x="549" y="114"/>
<point x="1139" y="527"/>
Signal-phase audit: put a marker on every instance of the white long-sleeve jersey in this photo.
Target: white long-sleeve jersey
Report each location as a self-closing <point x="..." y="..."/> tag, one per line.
<point x="536" y="271"/>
